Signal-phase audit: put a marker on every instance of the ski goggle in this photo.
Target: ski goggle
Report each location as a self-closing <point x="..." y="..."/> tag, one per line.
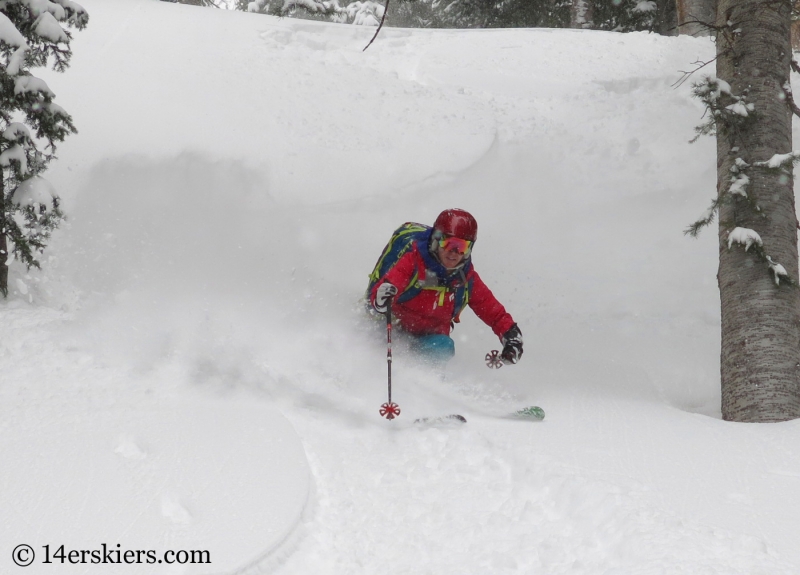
<point x="454" y="244"/>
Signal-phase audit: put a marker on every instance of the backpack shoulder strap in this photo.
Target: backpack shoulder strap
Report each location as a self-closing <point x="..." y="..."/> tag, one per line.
<point x="462" y="297"/>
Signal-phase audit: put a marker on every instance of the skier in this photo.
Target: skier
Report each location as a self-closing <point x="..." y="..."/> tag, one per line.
<point x="431" y="270"/>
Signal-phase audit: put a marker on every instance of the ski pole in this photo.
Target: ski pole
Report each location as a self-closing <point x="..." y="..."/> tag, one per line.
<point x="389" y="347"/>
<point x="389" y="410"/>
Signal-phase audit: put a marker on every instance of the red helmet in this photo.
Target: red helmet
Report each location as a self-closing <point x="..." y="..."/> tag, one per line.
<point x="457" y="223"/>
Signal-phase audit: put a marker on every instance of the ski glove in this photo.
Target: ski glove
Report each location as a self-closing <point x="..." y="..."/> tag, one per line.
<point x="385" y="293"/>
<point x="512" y="345"/>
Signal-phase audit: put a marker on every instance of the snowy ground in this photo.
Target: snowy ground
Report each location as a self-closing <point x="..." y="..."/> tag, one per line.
<point x="192" y="369"/>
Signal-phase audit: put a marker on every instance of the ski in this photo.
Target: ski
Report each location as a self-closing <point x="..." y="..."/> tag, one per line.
<point x="453" y="419"/>
<point x="531" y="413"/>
<point x="528" y="413"/>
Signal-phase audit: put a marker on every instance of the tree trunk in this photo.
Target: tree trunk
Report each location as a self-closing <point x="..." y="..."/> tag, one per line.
<point x="693" y="14"/>
<point x="760" y="359"/>
<point x="796" y="34"/>
<point x="3" y="241"/>
<point x="580" y="14"/>
<point x="667" y="19"/>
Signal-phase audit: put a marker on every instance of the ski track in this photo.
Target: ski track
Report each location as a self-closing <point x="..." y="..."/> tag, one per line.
<point x="475" y="500"/>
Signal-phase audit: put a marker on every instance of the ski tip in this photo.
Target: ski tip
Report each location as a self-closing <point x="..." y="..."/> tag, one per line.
<point x="533" y="413"/>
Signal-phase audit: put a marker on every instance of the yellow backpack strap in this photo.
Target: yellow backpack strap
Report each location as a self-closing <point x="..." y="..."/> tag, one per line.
<point x="401" y="241"/>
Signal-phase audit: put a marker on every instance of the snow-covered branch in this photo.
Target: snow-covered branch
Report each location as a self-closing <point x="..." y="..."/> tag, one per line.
<point x="780" y="161"/>
<point x="33" y="33"/>
<point x="725" y="109"/>
<point x="745" y="237"/>
<point x="739" y="180"/>
<point x="778" y="271"/>
<point x="750" y="238"/>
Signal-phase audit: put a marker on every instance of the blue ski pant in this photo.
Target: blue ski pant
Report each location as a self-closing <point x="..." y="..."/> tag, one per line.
<point x="435" y="348"/>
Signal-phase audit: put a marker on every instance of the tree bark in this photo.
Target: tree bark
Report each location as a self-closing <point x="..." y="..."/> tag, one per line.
<point x="3" y="241"/>
<point x="760" y="357"/>
<point x="693" y="14"/>
<point x="796" y="34"/>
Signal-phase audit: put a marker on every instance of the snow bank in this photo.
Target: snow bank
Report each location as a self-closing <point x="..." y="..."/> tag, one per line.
<point x="291" y="92"/>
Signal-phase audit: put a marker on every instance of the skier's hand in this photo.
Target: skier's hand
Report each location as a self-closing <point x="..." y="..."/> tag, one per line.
<point x="385" y="293"/>
<point x="512" y="345"/>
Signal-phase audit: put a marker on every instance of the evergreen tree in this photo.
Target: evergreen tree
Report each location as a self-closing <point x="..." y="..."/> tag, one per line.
<point x="750" y="108"/>
<point x="31" y="123"/>
<point x="618" y="15"/>
<point x="271" y="7"/>
<point x="529" y="14"/>
<point x="206" y="3"/>
<point x="624" y="15"/>
<point x="480" y="13"/>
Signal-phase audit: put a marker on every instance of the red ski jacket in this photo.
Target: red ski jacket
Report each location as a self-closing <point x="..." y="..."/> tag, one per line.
<point x="431" y="310"/>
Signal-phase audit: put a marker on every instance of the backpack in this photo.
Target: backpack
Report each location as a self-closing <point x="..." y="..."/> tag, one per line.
<point x="402" y="241"/>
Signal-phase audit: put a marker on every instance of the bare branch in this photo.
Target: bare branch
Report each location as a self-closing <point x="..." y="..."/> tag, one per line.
<point x="702" y="23"/>
<point x="686" y="75"/>
<point x="385" y="10"/>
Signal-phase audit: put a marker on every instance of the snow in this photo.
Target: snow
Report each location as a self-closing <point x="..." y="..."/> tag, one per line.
<point x="76" y="8"/>
<point x="9" y="33"/>
<point x="722" y="87"/>
<point x="195" y="370"/>
<point x="740" y="108"/>
<point x="15" y="153"/>
<point x="17" y="60"/>
<point x="778" y="271"/>
<point x="16" y="130"/>
<point x="39" y="7"/>
<point x="311" y="5"/>
<point x="367" y="13"/>
<point x="745" y="237"/>
<point x="55" y="109"/>
<point x="739" y="181"/>
<point x="780" y="160"/>
<point x="154" y="474"/>
<point x="739" y="185"/>
<point x="25" y="84"/>
<point x="48" y="27"/>
<point x="713" y="87"/>
<point x="35" y="190"/>
<point x="645" y="6"/>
